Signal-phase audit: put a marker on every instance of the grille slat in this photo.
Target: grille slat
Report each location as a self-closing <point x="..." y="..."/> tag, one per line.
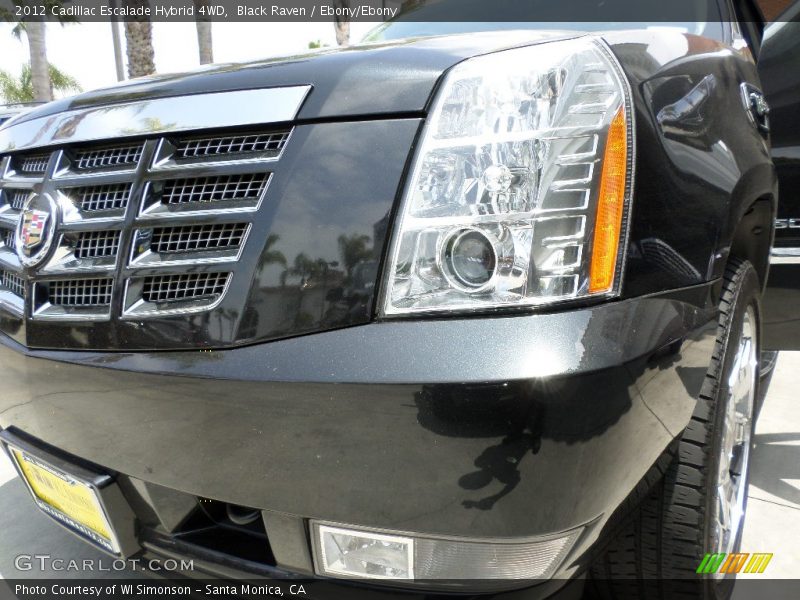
<point x="15" y="198"/>
<point x="31" y="164"/>
<point x="80" y="292"/>
<point x="13" y="283"/>
<point x="197" y="237"/>
<point x="176" y="288"/>
<point x="97" y="244"/>
<point x="164" y="225"/>
<point x="205" y="147"/>
<point x="87" y="159"/>
<point x="214" y="189"/>
<point x="114" y="196"/>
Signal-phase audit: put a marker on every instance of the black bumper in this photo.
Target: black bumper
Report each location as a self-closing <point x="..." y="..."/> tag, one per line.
<point x="498" y="427"/>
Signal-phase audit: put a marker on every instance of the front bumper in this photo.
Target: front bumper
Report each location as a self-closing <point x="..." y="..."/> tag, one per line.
<point x="504" y="427"/>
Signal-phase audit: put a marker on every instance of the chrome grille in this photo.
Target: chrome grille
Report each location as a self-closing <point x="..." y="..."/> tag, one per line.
<point x="15" y="198"/>
<point x="214" y="189"/>
<point x="131" y="235"/>
<point x="102" y="197"/>
<point x="203" y="147"/>
<point x="109" y="157"/>
<point x="13" y="283"/>
<point x="80" y="292"/>
<point x="174" y="288"/>
<point x="31" y="164"/>
<point x="97" y="244"/>
<point x="197" y="237"/>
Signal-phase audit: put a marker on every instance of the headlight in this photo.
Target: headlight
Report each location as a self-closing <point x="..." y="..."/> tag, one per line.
<point x="521" y="186"/>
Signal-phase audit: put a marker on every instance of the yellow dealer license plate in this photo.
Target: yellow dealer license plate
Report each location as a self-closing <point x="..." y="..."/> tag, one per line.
<point x="67" y="499"/>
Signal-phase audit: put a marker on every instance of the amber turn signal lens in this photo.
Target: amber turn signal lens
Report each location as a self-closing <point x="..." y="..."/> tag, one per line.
<point x="610" y="206"/>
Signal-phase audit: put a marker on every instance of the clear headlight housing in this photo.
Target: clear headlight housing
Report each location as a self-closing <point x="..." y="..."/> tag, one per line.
<point x="521" y="185"/>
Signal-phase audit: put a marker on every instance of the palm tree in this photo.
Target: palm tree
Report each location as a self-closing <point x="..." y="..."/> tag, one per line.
<point x="37" y="45"/>
<point x="139" y="41"/>
<point x="270" y="256"/>
<point x="353" y="250"/>
<point x="20" y="89"/>
<point x="305" y="268"/>
<point x="40" y="79"/>
<point x="205" y="43"/>
<point x="342" y="24"/>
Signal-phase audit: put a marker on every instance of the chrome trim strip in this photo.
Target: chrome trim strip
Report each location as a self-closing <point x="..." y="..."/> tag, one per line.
<point x="784" y="256"/>
<point x="64" y="261"/>
<point x="49" y="312"/>
<point x="158" y="211"/>
<point x="9" y="218"/>
<point x="150" y="259"/>
<point x="157" y="116"/>
<point x="163" y="160"/>
<point x="9" y="259"/>
<point x="12" y="303"/>
<point x="135" y="307"/>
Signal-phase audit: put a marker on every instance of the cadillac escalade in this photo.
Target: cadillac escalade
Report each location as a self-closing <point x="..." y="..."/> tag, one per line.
<point x="470" y="306"/>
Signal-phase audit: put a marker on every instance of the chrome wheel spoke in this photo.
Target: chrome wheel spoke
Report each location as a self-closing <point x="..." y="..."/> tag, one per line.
<point x="734" y="452"/>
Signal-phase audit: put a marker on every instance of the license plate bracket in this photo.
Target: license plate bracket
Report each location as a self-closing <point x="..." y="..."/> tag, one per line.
<point x="83" y="499"/>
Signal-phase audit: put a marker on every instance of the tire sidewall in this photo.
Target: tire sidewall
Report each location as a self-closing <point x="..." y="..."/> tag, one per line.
<point x="747" y="294"/>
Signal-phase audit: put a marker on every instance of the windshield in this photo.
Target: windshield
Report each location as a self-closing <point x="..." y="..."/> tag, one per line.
<point x="446" y="17"/>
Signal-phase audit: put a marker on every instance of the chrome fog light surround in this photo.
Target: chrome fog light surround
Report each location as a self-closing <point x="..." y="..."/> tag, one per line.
<point x="347" y="551"/>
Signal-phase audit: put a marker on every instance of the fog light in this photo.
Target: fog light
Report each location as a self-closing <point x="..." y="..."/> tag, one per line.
<point x="343" y="552"/>
<point x="364" y="554"/>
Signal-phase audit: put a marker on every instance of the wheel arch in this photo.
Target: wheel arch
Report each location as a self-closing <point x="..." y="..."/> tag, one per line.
<point x="753" y="234"/>
<point x="750" y="229"/>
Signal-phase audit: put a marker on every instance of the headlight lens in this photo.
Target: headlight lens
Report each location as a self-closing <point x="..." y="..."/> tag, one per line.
<point x="521" y="186"/>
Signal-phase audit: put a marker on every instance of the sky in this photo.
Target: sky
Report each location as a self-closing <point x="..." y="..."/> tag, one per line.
<point x="85" y="50"/>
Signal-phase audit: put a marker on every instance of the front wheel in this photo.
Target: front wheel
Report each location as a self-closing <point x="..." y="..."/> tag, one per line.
<point x="699" y="506"/>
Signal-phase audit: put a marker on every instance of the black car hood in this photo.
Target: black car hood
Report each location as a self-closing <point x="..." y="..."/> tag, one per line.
<point x="374" y="79"/>
<point x="317" y="241"/>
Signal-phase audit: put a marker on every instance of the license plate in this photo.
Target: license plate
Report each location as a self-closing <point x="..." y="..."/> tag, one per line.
<point x="64" y="497"/>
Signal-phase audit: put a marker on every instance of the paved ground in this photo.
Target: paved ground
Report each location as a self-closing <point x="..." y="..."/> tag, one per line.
<point x="773" y="512"/>
<point x="773" y="516"/>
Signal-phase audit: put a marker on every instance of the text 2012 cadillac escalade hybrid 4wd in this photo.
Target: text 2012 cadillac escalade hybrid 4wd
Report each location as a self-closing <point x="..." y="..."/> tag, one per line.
<point x="450" y="310"/>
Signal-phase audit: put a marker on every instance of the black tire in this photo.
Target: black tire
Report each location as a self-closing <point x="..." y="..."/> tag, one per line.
<point x="656" y="556"/>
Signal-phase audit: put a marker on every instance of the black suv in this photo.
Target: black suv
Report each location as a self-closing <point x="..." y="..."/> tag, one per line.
<point x="471" y="306"/>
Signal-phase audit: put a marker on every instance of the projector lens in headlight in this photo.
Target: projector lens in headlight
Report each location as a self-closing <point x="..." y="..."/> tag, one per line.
<point x="470" y="259"/>
<point x="521" y="186"/>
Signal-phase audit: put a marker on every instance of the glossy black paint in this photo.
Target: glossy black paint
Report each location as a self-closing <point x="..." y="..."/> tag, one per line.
<point x="378" y="79"/>
<point x="500" y="427"/>
<point x="779" y="67"/>
<point x="701" y="163"/>
<point x="490" y="426"/>
<point x="310" y="262"/>
<point x="317" y="246"/>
